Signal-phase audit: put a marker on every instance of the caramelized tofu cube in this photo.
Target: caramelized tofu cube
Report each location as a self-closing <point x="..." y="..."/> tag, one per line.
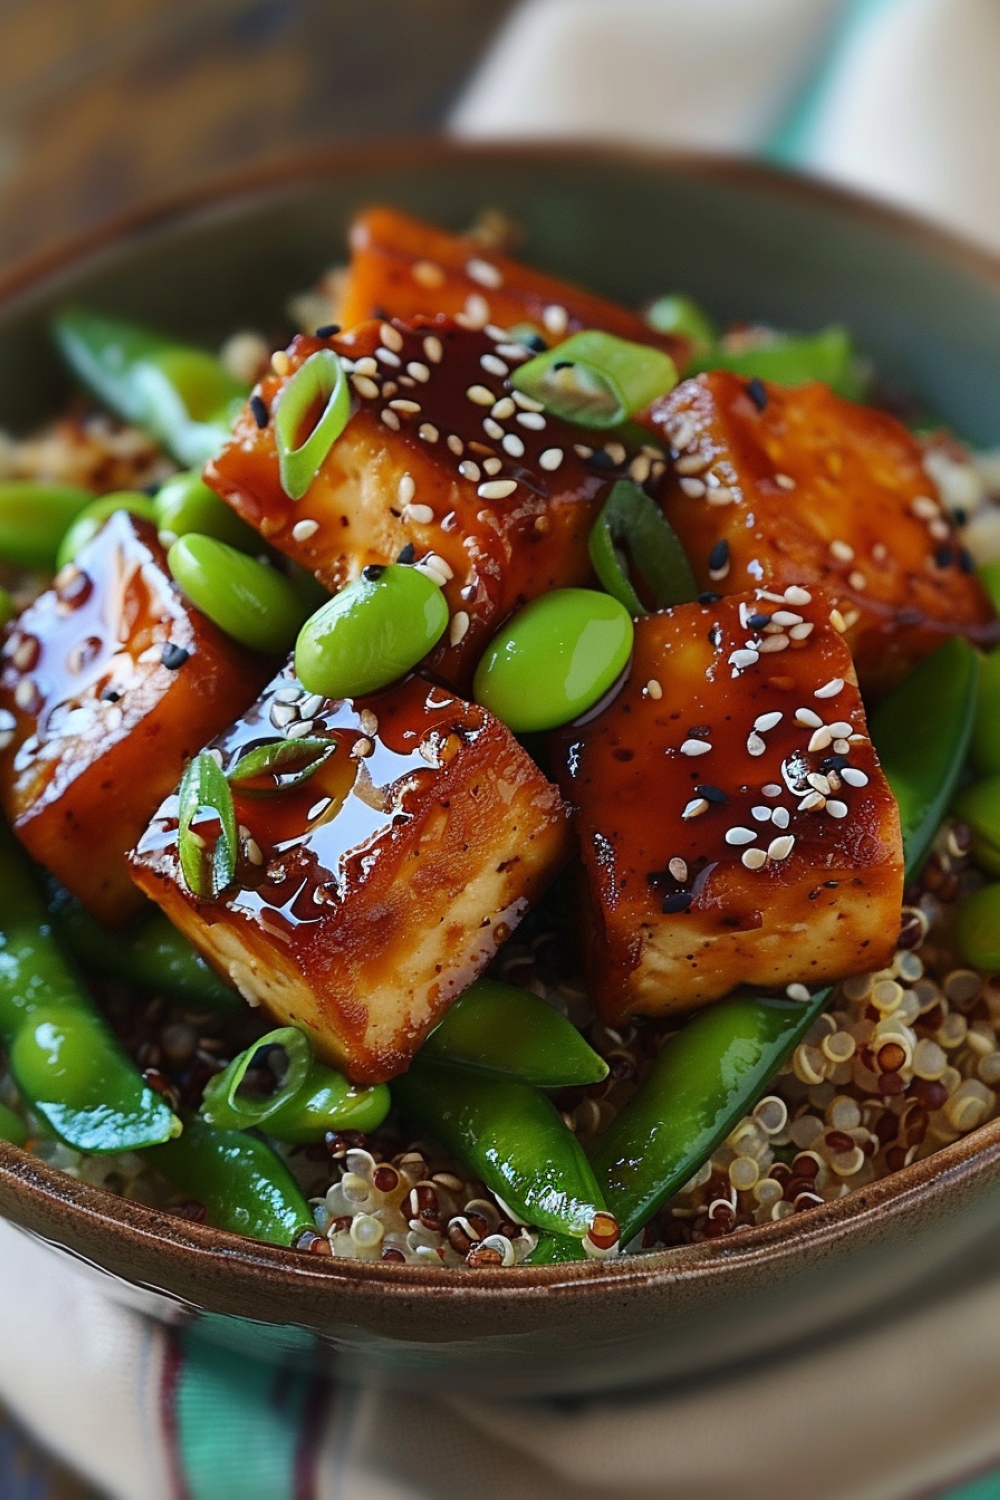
<point x="109" y="682"/>
<point x="369" y="897"/>
<point x="401" y="267"/>
<point x="799" y="486"/>
<point x="735" y="825"/>
<point x="439" y="462"/>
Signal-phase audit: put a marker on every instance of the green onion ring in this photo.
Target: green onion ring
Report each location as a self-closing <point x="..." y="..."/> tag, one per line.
<point x="322" y="376"/>
<point x="224" y="1106"/>
<point x="631" y="528"/>
<point x="205" y="787"/>
<point x="596" y="379"/>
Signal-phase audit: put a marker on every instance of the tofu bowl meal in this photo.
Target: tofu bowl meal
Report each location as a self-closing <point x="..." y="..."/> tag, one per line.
<point x="500" y="761"/>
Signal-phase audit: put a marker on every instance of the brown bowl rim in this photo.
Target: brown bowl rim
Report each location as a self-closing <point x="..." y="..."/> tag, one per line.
<point x="44" y="1187"/>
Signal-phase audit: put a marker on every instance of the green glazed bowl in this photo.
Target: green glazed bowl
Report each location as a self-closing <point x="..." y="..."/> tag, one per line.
<point x="751" y="244"/>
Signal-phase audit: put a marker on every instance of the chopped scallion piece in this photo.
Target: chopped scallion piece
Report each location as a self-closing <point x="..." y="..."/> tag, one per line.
<point x="206" y="870"/>
<point x="632" y="530"/>
<point x="227" y="1104"/>
<point x="682" y="316"/>
<point x="288" y="762"/>
<point x="321" y="378"/>
<point x="596" y="379"/>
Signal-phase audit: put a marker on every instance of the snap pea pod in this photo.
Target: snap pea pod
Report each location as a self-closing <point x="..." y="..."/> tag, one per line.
<point x="150" y="953"/>
<point x="34" y="518"/>
<point x="512" y="1033"/>
<point x="788" y="360"/>
<point x="704" y="1080"/>
<point x="181" y="396"/>
<point x="242" y="1182"/>
<point x="65" y="1059"/>
<point x="922" y="731"/>
<point x="511" y="1136"/>
<point x="89" y="521"/>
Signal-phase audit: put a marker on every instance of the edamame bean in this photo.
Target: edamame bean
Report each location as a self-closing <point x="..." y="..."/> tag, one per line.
<point x="371" y="633"/>
<point x="554" y="659"/>
<point x="984" y="750"/>
<point x="979" y="806"/>
<point x="34" y="518"/>
<point x="248" y="600"/>
<point x="977" y="928"/>
<point x="184" y="503"/>
<point x="88" y="523"/>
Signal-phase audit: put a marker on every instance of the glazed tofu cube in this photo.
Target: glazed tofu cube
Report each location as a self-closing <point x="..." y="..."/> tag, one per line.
<point x="401" y="267"/>
<point x="440" y="462"/>
<point x="735" y="825"/>
<point x="109" y="682"/>
<point x="776" y="486"/>
<point x="371" y="895"/>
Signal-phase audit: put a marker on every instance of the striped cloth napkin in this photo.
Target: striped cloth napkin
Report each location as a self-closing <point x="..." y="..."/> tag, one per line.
<point x="900" y="98"/>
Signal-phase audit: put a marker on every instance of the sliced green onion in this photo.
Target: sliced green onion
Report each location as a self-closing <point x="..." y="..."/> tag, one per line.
<point x="224" y="1105"/>
<point x="321" y="378"/>
<point x="632" y="530"/>
<point x="596" y="379"/>
<point x="827" y="356"/>
<point x="683" y="317"/>
<point x="205" y="789"/>
<point x="290" y="762"/>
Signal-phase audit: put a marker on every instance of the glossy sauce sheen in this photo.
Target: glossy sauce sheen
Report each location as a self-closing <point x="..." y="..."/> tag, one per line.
<point x="401" y="267"/>
<point x="813" y="489"/>
<point x="677" y="916"/>
<point x="101" y="726"/>
<point x="372" y="894"/>
<point x="415" y="468"/>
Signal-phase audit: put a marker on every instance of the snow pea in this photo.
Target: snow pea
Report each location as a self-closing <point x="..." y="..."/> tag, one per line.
<point x="921" y="731"/>
<point x="791" y="360"/>
<point x="247" y="599"/>
<point x="184" y="503"/>
<point x="554" y="659"/>
<point x="182" y="397"/>
<point x="511" y="1136"/>
<point x="150" y="953"/>
<point x="89" y="521"/>
<point x="34" y="518"/>
<point x="242" y="1182"/>
<point x="513" y="1033"/>
<point x="977" y="928"/>
<point x="64" y="1057"/>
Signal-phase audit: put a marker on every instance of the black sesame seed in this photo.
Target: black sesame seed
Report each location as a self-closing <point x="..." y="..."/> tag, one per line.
<point x="407" y="555"/>
<point x="110" y="696"/>
<point x="944" y="557"/>
<point x="379" y="312"/>
<point x="173" y="656"/>
<point x="711" y="793"/>
<point x="152" y="489"/>
<point x="719" y="555"/>
<point x="708" y="597"/>
<point x="534" y="341"/>
<point x="600" y="460"/>
<point x="328" y="330"/>
<point x="757" y="622"/>
<point x="960" y="516"/>
<point x="679" y="901"/>
<point x="372" y="573"/>
<point x="757" y="393"/>
<point x="966" y="561"/>
<point x="834" y="763"/>
<point x="258" y="407"/>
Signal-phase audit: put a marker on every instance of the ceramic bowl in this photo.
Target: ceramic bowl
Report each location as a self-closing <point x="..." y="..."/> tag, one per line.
<point x="750" y="244"/>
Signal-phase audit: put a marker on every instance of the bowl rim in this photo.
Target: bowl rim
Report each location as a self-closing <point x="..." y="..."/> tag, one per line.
<point x="41" y="1188"/>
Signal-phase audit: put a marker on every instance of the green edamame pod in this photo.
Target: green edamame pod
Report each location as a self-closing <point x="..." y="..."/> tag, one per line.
<point x="181" y="396"/>
<point x="150" y="953"/>
<point x="328" y="1101"/>
<point x="513" y="1033"/>
<point x="89" y="521"/>
<point x="34" y="518"/>
<point x="250" y="601"/>
<point x="789" y="360"/>
<point x="511" y="1136"/>
<point x="244" y="1185"/>
<point x="184" y="503"/>
<point x="922" y="731"/>
<point x="64" y="1057"/>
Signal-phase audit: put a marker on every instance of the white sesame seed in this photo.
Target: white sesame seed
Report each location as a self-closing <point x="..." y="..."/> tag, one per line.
<point x="459" y="627"/>
<point x="857" y="580"/>
<point x="820" y="739"/>
<point x="780" y="817"/>
<point x="433" y="349"/>
<point x="781" y="848"/>
<point x="773" y="643"/>
<point x="492" y="429"/>
<point x="939" y="529"/>
<point x="300" y="729"/>
<point x="803" y="631"/>
<point x="582" y="451"/>
<point x="681" y="432"/>
<point x="740" y="836"/>
<point x="837" y="809"/>
<point x="493" y="365"/>
<point x="761" y="814"/>
<point x="388" y="357"/>
<point x="253" y="851"/>
<point x="406" y="489"/>
<point x="389" y="389"/>
<point x="743" y="658"/>
<point x="470" y="471"/>
<point x="692" y="463"/>
<point x="481" y="395"/>
<point x="423" y="515"/>
<point x="784" y="617"/>
<point x="841" y="747"/>
<point x="503" y="409"/>
<point x="926" y="508"/>
<point x="362" y="748"/>
<point x="695" y="808"/>
<point x="280" y="363"/>
<point x="555" y="319"/>
<point x="797" y="595"/>
<point x="417" y="370"/>
<point x="812" y="800"/>
<point x="492" y="465"/>
<point x="695" y="747"/>
<point x="391" y="337"/>
<point x="407" y="407"/>
<point x="455" y="444"/>
<point x="476" y="313"/>
<point x="755" y="745"/>
<point x="653" y="689"/>
<point x="483" y="272"/>
<point x="616" y="452"/>
<point x="366" y="366"/>
<point x="292" y="694"/>
<point x="497" y="489"/>
<point x="819" y="783"/>
<point x="784" y="481"/>
<point x="695" y="488"/>
<point x="550" y="459"/>
<point x="720" y="495"/>
<point x="638" y="469"/>
<point x="842" y="551"/>
<point x="772" y="789"/>
<point x="512" y="444"/>
<point x="754" y="859"/>
<point x="829" y="689"/>
<point x="533" y="420"/>
<point x="310" y="706"/>
<point x="428" y="432"/>
<point x="526" y="403"/>
<point x="678" y="869"/>
<point x="390" y="419"/>
<point x="798" y="992"/>
<point x="303" y="530"/>
<point x="282" y="714"/>
<point x="858" y="739"/>
<point x="427" y="273"/>
<point x="837" y="621"/>
<point x="840" y="729"/>
<point x="808" y="718"/>
<point x="767" y="721"/>
<point x="365" y="387"/>
<point x="513" y="351"/>
<point x="853" y="776"/>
